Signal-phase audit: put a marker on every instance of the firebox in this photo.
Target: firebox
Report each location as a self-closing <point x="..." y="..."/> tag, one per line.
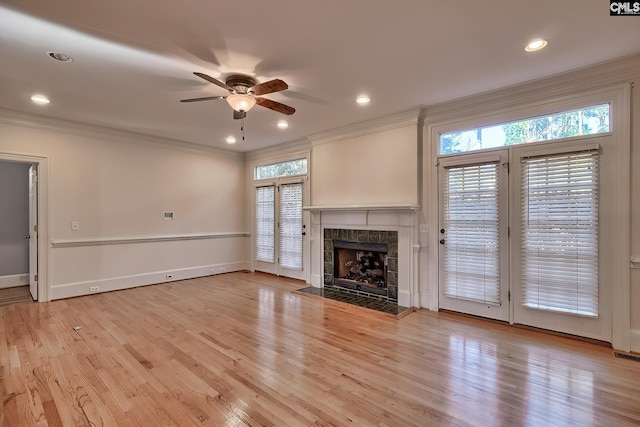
<point x="361" y="266"/>
<point x="362" y="262"/>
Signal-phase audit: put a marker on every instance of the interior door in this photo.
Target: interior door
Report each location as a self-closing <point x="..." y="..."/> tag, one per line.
<point x="562" y="217"/>
<point x="473" y="255"/>
<point x="33" y="232"/>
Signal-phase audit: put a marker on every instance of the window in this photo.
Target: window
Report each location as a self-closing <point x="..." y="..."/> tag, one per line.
<point x="291" y="226"/>
<point x="471" y="221"/>
<point x="559" y="230"/>
<point x="265" y="223"/>
<point x="586" y="121"/>
<point x="284" y="169"/>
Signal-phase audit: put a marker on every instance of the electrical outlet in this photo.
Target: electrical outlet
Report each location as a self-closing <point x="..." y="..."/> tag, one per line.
<point x="169" y="276"/>
<point x="94" y="288"/>
<point x="424" y="228"/>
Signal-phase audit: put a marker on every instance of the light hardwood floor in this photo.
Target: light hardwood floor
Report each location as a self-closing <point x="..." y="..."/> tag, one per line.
<point x="15" y="295"/>
<point x="243" y="349"/>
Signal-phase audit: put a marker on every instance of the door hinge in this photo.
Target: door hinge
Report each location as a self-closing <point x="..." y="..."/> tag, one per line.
<point x="509" y="295"/>
<point x="506" y="165"/>
<point x="508" y="231"/>
<point x="35" y="228"/>
<point x="35" y="278"/>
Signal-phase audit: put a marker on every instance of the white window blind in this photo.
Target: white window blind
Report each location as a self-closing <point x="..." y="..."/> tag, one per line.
<point x="560" y="232"/>
<point x="265" y="223"/>
<point x="471" y="223"/>
<point x="291" y="226"/>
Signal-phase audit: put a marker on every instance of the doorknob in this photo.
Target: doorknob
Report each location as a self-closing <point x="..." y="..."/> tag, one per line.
<point x="442" y="241"/>
<point x="304" y="233"/>
<point x="27" y="236"/>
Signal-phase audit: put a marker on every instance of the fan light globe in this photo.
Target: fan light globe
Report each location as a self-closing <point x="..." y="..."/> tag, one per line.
<point x="241" y="102"/>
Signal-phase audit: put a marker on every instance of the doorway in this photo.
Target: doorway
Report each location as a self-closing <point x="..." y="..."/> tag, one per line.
<point x="280" y="228"/>
<point x="524" y="234"/>
<point x="36" y="220"/>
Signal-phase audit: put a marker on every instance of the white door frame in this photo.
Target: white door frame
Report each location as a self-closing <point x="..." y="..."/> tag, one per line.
<point x="42" y="162"/>
<point x="495" y="111"/>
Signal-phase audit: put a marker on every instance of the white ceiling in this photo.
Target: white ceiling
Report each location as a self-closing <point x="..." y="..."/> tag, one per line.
<point x="134" y="59"/>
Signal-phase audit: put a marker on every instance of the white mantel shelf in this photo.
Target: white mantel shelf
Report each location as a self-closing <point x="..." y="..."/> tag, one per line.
<point x="379" y="207"/>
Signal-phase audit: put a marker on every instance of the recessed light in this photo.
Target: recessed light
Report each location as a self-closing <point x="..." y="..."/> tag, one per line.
<point x="536" y="44"/>
<point x="282" y="124"/>
<point x="40" y="99"/>
<point x="363" y="99"/>
<point x="231" y="140"/>
<point x="62" y="57"/>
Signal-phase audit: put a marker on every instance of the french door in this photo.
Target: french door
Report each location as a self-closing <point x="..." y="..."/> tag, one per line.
<point x="280" y="228"/>
<point x="473" y="249"/>
<point x="561" y="229"/>
<point x="524" y="232"/>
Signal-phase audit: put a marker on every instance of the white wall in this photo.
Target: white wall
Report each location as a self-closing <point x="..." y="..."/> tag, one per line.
<point x="377" y="168"/>
<point x="118" y="186"/>
<point x="14" y="212"/>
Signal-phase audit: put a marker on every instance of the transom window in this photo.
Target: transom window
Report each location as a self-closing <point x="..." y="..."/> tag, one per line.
<point x="585" y="121"/>
<point x="283" y="169"/>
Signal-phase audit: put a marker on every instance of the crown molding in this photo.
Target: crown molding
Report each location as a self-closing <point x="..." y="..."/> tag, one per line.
<point x="602" y="75"/>
<point x="292" y="147"/>
<point x="394" y="121"/>
<point x="17" y="118"/>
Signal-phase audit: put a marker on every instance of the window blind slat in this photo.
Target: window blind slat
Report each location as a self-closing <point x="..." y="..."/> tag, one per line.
<point x="471" y="220"/>
<point x="559" y="250"/>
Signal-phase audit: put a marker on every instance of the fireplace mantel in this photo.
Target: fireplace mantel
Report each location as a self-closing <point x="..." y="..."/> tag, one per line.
<point x="399" y="217"/>
<point x="376" y="207"/>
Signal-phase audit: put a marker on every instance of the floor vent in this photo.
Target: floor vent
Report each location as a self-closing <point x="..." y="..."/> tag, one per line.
<point x="627" y="356"/>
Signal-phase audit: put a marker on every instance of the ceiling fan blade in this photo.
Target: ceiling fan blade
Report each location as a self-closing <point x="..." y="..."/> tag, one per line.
<point x="207" y="98"/>
<point x="275" y="106"/>
<point x="271" y="86"/>
<point x="214" y="81"/>
<point x="237" y="115"/>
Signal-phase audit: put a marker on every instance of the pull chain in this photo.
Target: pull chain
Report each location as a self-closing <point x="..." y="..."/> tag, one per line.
<point x="242" y="128"/>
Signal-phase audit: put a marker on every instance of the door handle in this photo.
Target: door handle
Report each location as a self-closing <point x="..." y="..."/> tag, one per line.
<point x="442" y="241"/>
<point x="304" y="233"/>
<point x="27" y="236"/>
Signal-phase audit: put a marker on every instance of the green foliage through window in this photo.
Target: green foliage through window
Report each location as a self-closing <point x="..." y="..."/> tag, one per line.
<point x="278" y="170"/>
<point x="586" y="121"/>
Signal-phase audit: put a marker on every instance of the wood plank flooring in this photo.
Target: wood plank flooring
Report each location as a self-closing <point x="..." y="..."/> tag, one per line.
<point x="243" y="349"/>
<point x="15" y="295"/>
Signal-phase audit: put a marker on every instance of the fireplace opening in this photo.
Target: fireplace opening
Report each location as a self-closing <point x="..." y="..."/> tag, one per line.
<point x="361" y="266"/>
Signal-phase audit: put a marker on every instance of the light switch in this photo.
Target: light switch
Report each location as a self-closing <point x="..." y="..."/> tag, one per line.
<point x="75" y="226"/>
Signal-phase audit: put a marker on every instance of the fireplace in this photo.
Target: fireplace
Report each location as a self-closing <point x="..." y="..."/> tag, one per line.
<point x="364" y="262"/>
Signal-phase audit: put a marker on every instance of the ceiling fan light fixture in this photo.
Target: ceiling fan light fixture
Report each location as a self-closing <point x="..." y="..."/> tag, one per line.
<point x="230" y="139"/>
<point x="283" y="124"/>
<point x="241" y="102"/>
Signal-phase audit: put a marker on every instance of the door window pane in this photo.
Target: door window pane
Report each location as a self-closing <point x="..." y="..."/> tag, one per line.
<point x="471" y="223"/>
<point x="265" y="223"/>
<point x="560" y="232"/>
<point x="291" y="226"/>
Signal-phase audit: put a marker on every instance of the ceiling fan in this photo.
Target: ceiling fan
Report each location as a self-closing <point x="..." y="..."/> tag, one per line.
<point x="244" y="93"/>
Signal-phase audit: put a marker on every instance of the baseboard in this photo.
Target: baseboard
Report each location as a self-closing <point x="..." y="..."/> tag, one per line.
<point x="316" y="281"/>
<point x="404" y="298"/>
<point x="68" y="290"/>
<point x="14" y="280"/>
<point x="635" y="340"/>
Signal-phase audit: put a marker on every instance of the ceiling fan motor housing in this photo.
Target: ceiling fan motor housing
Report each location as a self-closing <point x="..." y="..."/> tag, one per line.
<point x="241" y="83"/>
